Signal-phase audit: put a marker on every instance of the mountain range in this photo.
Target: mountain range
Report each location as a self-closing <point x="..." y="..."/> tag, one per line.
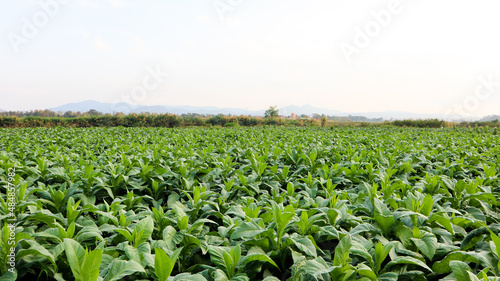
<point x="309" y="110"/>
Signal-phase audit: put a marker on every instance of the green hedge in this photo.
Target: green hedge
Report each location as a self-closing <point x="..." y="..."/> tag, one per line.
<point x="171" y="121"/>
<point x="147" y="120"/>
<point x="427" y="123"/>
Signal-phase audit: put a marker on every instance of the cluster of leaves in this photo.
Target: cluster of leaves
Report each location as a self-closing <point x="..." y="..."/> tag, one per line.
<point x="252" y="204"/>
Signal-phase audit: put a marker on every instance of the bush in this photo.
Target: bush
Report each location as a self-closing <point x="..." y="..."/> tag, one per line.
<point x="427" y="123"/>
<point x="231" y="124"/>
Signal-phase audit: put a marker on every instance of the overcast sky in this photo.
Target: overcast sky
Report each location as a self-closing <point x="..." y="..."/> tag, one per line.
<point x="420" y="56"/>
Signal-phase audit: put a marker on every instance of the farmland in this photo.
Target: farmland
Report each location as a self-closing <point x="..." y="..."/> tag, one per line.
<point x="257" y="203"/>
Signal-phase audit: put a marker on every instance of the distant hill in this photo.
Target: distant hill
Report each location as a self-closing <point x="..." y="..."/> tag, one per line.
<point x="309" y="110"/>
<point x="399" y="115"/>
<point x="490" y="118"/>
<point x="129" y="108"/>
<point x="85" y="106"/>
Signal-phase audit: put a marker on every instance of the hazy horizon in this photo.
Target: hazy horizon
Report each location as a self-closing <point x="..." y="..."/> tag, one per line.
<point x="352" y="56"/>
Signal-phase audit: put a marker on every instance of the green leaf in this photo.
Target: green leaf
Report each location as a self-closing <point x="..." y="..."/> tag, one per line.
<point x="37" y="250"/>
<point x="443" y="221"/>
<point x="365" y="227"/>
<point x="240" y="277"/>
<point x="219" y="275"/>
<point x="223" y="258"/>
<point x="316" y="269"/>
<point x="385" y="222"/>
<point x="443" y="266"/>
<point x="125" y="233"/>
<point x="304" y="244"/>
<point x="9" y="276"/>
<point x="142" y="231"/>
<point x="247" y="230"/>
<point x="342" y="251"/>
<point x="121" y="268"/>
<point x="407" y="260"/>
<point x="163" y="264"/>
<point x="257" y="254"/>
<point x="366" y="271"/>
<point x="171" y="237"/>
<point x="427" y="245"/>
<point x="473" y="238"/>
<point x="381" y="252"/>
<point x="460" y="270"/>
<point x="75" y="254"/>
<point x="189" y="277"/>
<point x="270" y="278"/>
<point x="495" y="240"/>
<point x="426" y="207"/>
<point x="90" y="268"/>
<point x="389" y="276"/>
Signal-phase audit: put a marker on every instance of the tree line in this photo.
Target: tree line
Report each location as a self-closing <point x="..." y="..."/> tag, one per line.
<point x="148" y="120"/>
<point x="94" y="118"/>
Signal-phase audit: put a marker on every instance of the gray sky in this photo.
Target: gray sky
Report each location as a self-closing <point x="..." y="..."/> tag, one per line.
<point x="420" y="56"/>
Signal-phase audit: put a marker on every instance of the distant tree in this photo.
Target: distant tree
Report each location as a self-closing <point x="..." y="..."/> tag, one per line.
<point x="272" y="112"/>
<point x="323" y="120"/>
<point x="69" y="114"/>
<point x="93" y="112"/>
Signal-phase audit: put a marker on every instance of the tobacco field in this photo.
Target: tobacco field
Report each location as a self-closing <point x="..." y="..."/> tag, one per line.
<point x="260" y="203"/>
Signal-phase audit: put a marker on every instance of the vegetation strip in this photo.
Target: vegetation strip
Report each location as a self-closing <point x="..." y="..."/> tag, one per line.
<point x="250" y="203"/>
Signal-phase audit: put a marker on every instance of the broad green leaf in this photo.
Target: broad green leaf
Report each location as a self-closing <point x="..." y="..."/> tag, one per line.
<point x="426" y="207"/>
<point x="120" y="269"/>
<point x="142" y="231"/>
<point x="240" y="277"/>
<point x="257" y="254"/>
<point x="359" y="250"/>
<point x="90" y="268"/>
<point x="75" y="254"/>
<point x="247" y="230"/>
<point x="9" y="276"/>
<point x="473" y="237"/>
<point x="219" y="275"/>
<point x="366" y="271"/>
<point x="443" y="221"/>
<point x="37" y="250"/>
<point x="125" y="233"/>
<point x="460" y="270"/>
<point x="164" y="264"/>
<point x="365" y="227"/>
<point x="188" y="277"/>
<point x="222" y="257"/>
<point x="427" y="245"/>
<point x="381" y="252"/>
<point x="304" y="244"/>
<point x="406" y="260"/>
<point x="389" y="276"/>
<point x="342" y="251"/>
<point x="385" y="222"/>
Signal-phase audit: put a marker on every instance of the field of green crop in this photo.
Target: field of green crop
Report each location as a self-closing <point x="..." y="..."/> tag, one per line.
<point x="249" y="204"/>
